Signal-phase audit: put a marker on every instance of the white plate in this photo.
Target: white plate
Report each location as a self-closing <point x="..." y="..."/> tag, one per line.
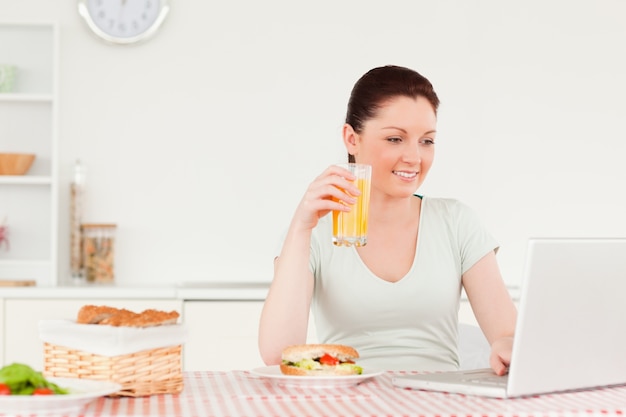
<point x="82" y="392"/>
<point x="273" y="373"/>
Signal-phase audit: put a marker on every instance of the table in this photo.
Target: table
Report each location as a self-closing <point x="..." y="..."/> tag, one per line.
<point x="240" y="393"/>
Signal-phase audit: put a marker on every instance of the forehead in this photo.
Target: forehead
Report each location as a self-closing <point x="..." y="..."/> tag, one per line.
<point x="404" y="112"/>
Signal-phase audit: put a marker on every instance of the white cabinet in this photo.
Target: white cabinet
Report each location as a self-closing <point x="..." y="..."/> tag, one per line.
<point x="22" y="316"/>
<point x="28" y="124"/>
<point x="222" y="335"/>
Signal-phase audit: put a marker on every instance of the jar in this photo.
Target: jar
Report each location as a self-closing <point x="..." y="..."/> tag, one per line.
<point x="76" y="212"/>
<point x="98" y="248"/>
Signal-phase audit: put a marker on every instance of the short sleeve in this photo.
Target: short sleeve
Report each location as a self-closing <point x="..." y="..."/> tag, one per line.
<point x="474" y="239"/>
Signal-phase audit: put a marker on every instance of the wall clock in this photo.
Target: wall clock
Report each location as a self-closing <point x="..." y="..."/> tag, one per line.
<point x="124" y="21"/>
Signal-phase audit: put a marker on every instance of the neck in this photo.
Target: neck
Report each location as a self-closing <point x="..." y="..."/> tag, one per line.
<point x="387" y="210"/>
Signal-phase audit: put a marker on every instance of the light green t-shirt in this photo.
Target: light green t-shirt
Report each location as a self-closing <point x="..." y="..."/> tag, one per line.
<point x="410" y="324"/>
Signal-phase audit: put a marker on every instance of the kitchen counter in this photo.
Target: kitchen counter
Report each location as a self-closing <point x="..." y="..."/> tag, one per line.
<point x="240" y="291"/>
<point x="200" y="291"/>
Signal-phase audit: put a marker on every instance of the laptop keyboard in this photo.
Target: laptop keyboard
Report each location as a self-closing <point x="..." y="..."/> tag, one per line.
<point x="490" y="380"/>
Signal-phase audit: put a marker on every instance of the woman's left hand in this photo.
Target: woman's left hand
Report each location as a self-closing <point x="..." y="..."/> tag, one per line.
<point x="500" y="357"/>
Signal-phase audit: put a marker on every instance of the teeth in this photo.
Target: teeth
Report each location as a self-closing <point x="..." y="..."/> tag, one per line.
<point x="405" y="174"/>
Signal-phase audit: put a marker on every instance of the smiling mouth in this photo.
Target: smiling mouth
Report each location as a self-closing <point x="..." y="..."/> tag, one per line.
<point x="405" y="174"/>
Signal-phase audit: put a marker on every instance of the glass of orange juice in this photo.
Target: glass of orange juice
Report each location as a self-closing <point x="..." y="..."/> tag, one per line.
<point x="350" y="227"/>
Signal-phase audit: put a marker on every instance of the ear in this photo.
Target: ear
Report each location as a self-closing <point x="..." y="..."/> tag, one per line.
<point x="350" y="139"/>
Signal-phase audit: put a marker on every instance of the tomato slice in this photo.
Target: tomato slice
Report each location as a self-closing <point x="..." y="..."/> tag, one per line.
<point x="43" y="391"/>
<point x="4" y="389"/>
<point x="328" y="360"/>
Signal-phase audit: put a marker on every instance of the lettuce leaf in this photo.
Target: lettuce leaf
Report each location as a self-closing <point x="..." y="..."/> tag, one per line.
<point x="23" y="380"/>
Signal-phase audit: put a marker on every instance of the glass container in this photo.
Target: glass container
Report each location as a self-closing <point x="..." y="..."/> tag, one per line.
<point x="98" y="248"/>
<point x="77" y="188"/>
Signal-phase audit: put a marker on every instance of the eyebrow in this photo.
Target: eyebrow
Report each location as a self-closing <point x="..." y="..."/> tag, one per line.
<point x="403" y="130"/>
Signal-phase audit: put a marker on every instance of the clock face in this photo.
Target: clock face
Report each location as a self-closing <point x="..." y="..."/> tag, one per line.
<point x="123" y="21"/>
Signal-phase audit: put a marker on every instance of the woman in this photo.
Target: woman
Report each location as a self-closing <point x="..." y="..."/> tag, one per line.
<point x="395" y="299"/>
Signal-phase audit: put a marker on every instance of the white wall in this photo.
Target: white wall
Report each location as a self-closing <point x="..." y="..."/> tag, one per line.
<point x="199" y="143"/>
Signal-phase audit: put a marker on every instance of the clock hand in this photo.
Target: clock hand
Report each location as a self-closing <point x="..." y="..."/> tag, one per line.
<point x="122" y="10"/>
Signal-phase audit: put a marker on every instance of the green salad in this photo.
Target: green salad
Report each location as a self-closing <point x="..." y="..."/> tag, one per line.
<point x="20" y="379"/>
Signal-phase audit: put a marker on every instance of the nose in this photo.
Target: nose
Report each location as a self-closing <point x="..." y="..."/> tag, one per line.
<point x="412" y="152"/>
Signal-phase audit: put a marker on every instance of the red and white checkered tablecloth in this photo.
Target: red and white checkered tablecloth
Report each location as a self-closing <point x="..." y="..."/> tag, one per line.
<point x="241" y="394"/>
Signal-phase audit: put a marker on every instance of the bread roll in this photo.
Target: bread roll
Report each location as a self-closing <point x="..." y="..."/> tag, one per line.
<point x="112" y="316"/>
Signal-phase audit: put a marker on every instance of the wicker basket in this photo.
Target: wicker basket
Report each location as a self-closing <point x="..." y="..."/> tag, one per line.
<point x="154" y="371"/>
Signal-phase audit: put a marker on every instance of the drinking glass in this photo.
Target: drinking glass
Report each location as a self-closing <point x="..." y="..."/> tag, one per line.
<point x="350" y="228"/>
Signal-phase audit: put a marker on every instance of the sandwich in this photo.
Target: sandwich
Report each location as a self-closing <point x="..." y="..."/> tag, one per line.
<point x="320" y="360"/>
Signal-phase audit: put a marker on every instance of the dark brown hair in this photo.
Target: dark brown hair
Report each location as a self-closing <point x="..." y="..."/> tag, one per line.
<point x="380" y="85"/>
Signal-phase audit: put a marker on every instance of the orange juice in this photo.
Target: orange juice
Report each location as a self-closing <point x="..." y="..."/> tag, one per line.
<point x="350" y="228"/>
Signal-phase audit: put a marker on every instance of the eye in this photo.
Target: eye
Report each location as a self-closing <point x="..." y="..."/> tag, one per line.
<point x="427" y="141"/>
<point x="394" y="139"/>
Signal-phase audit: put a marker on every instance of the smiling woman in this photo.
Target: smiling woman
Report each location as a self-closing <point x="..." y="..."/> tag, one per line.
<point x="396" y="299"/>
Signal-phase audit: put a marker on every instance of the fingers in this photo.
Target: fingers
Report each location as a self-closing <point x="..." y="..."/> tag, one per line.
<point x="336" y="186"/>
<point x="341" y="179"/>
<point x="500" y="357"/>
<point x="334" y="189"/>
<point x="498" y="366"/>
<point x="339" y="171"/>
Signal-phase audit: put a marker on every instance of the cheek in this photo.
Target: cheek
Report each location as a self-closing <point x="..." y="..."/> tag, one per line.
<point x="376" y="156"/>
<point x="427" y="160"/>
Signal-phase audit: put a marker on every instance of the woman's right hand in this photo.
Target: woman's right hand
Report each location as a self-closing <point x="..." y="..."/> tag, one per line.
<point x="334" y="189"/>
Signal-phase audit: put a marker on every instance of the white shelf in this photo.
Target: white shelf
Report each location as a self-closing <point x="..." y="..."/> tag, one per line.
<point x="29" y="203"/>
<point x="39" y="270"/>
<point x="26" y="98"/>
<point x="25" y="179"/>
<point x="22" y="263"/>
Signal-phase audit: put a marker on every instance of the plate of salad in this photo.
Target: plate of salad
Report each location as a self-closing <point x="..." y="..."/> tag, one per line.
<point x="24" y="390"/>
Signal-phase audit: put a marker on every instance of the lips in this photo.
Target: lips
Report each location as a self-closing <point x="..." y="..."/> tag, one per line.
<point x="409" y="175"/>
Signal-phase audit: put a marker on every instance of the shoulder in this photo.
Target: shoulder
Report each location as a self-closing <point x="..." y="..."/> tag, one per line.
<point x="454" y="214"/>
<point x="444" y="206"/>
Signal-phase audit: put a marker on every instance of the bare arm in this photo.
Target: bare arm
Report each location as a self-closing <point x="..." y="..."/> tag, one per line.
<point x="494" y="310"/>
<point x="285" y="315"/>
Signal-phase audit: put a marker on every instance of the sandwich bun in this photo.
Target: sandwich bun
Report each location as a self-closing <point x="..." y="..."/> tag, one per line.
<point x="295" y="353"/>
<point x="308" y="360"/>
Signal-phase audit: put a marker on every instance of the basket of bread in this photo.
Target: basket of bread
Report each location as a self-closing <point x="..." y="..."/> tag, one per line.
<point x="141" y="351"/>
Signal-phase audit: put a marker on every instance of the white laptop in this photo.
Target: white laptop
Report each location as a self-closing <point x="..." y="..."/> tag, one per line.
<point x="571" y="327"/>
